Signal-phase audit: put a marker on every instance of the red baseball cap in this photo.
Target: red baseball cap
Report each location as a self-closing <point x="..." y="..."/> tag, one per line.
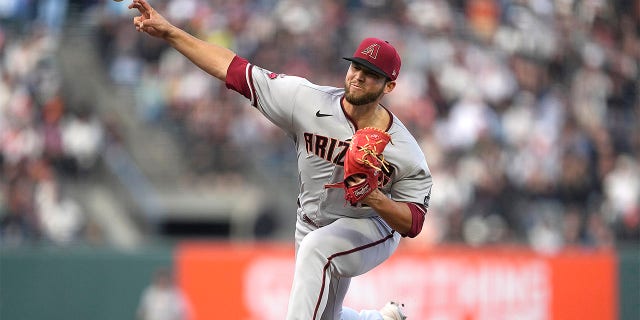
<point x="379" y="56"/>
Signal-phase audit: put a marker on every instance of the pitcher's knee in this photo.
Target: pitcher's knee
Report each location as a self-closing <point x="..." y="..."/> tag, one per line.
<point x="321" y="246"/>
<point x="311" y="247"/>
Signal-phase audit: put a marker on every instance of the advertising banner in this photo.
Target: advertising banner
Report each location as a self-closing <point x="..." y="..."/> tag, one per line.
<point x="252" y="282"/>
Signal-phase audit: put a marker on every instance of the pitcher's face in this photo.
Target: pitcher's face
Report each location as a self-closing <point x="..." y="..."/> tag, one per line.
<point x="363" y="86"/>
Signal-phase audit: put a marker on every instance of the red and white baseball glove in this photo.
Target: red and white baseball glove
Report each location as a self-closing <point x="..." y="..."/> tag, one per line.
<point x="363" y="164"/>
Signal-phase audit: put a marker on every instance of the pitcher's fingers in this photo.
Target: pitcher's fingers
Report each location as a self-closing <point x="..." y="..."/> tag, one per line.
<point x="143" y="7"/>
<point x="136" y="5"/>
<point x="146" y="6"/>
<point x="137" y="21"/>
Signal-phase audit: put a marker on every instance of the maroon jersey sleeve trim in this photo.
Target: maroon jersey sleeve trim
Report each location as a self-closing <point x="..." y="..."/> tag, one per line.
<point x="239" y="78"/>
<point x="417" y="213"/>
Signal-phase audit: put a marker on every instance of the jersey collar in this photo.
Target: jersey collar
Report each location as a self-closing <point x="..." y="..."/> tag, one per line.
<point x="344" y="111"/>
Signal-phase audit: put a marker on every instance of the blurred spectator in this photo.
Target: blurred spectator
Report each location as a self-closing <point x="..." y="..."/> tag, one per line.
<point x="82" y="138"/>
<point x="60" y="219"/>
<point x="18" y="223"/>
<point x="162" y="299"/>
<point x="622" y="192"/>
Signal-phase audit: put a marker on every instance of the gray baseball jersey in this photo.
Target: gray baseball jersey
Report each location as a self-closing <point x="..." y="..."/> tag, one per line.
<point x="313" y="116"/>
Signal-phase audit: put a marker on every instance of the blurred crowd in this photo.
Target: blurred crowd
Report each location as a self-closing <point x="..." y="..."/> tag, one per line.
<point x="44" y="140"/>
<point x="527" y="110"/>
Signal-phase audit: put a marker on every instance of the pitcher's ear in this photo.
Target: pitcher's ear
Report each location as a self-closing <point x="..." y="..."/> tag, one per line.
<point x="389" y="86"/>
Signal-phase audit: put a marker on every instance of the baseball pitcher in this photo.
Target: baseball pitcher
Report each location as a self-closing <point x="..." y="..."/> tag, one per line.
<point x="363" y="180"/>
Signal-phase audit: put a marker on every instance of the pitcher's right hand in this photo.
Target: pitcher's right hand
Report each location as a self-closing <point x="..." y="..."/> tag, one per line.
<point x="149" y="20"/>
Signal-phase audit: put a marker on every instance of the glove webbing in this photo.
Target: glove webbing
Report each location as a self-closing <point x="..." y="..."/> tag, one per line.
<point x="367" y="150"/>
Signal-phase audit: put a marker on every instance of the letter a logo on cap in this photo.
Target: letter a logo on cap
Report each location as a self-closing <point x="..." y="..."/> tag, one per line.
<point x="379" y="56"/>
<point x="372" y="51"/>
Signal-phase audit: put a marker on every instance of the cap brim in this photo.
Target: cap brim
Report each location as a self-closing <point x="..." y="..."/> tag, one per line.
<point x="368" y="65"/>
